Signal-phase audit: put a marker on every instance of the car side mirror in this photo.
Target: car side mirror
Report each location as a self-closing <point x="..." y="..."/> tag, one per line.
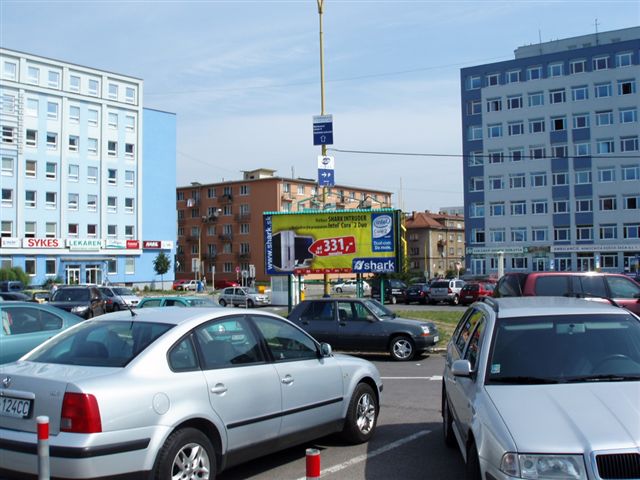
<point x="371" y="318"/>
<point x="461" y="368"/>
<point x="325" y="350"/>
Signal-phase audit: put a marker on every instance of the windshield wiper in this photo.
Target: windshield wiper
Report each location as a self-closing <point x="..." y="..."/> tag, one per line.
<point x="523" y="380"/>
<point x="608" y="377"/>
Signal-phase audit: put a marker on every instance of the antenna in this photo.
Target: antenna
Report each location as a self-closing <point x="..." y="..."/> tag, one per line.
<point x="540" y="41"/>
<point x="595" y="23"/>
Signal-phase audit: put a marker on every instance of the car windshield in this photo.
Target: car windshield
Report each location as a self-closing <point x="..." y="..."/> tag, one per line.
<point x="201" y="302"/>
<point x="378" y="309"/>
<point x="71" y="295"/>
<point x="122" y="291"/>
<point x="567" y="348"/>
<point x="100" y="343"/>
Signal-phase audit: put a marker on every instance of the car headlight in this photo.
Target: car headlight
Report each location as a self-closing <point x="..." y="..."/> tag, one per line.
<point x="543" y="466"/>
<point x="425" y="329"/>
<point x="79" y="309"/>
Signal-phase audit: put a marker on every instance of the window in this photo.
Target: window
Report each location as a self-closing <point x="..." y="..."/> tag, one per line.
<point x="629" y="144"/>
<point x="50" y="200"/>
<point x="476" y="184"/>
<point x="112" y="231"/>
<point x="52" y="110"/>
<point x="244" y="189"/>
<point x="474" y="132"/>
<point x="496" y="209"/>
<point x="494" y="130"/>
<point x="474" y="107"/>
<point x="31" y="138"/>
<point x="474" y="82"/>
<point x="630" y="173"/>
<point x="92" y="231"/>
<point x="557" y="96"/>
<point x="631" y="202"/>
<point x="92" y="203"/>
<point x="624" y="59"/>
<point x="600" y="63"/>
<point x="579" y="93"/>
<point x="32" y="107"/>
<point x="112" y="204"/>
<point x="72" y="230"/>
<point x="538" y="179"/>
<point x="475" y="159"/>
<point x="577" y="66"/>
<point x="128" y="231"/>
<point x="51" y="171"/>
<point x="581" y="120"/>
<point x="584" y="205"/>
<point x="476" y="210"/>
<point x="30" y="168"/>
<point x="30" y="266"/>
<point x="53" y="79"/>
<point x="51" y="231"/>
<point x="7" y="166"/>
<point x="583" y="177"/>
<point x="602" y="90"/>
<point x="584" y="232"/>
<point x="52" y="141"/>
<point x="606" y="175"/>
<point x="74" y="83"/>
<point x="631" y="230"/>
<point x="477" y="235"/>
<point x="493" y="79"/>
<point x="130" y="94"/>
<point x="30" y="199"/>
<point x="129" y="178"/>
<point x="604" y="117"/>
<point x="516" y="154"/>
<point x="518" y="207"/>
<point x="33" y="75"/>
<point x="73" y="200"/>
<point x="560" y="178"/>
<point x="537" y="152"/>
<point x="558" y="124"/>
<point x="608" y="232"/>
<point x="112" y="148"/>
<point x="515" y="128"/>
<point x="130" y="123"/>
<point x="536" y="125"/>
<point x="582" y="149"/>
<point x="605" y="146"/>
<point x="496" y="182"/>
<point x="559" y="151"/>
<point x="539" y="207"/>
<point x="539" y="234"/>
<point x="94" y="87"/>
<point x="519" y="234"/>
<point x="534" y="73"/>
<point x="628" y="115"/>
<point x="92" y="174"/>
<point x="113" y="91"/>
<point x="244" y="228"/>
<point x="513" y="76"/>
<point x="536" y="99"/>
<point x="626" y="87"/>
<point x="496" y="156"/>
<point x="9" y="70"/>
<point x="112" y="176"/>
<point x="7" y="197"/>
<point x="514" y="102"/>
<point x="561" y="234"/>
<point x="113" y="120"/>
<point x="74" y="140"/>
<point x="74" y="114"/>
<point x="129" y="150"/>
<point x="494" y="104"/>
<point x="128" y="205"/>
<point x="556" y="69"/>
<point x="130" y="266"/>
<point x="74" y="172"/>
<point x="561" y="206"/>
<point x="92" y="117"/>
<point x="92" y="146"/>
<point x="497" y="235"/>
<point x="517" y="180"/>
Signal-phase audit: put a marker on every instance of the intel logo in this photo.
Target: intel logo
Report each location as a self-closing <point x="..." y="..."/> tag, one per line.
<point x="382" y="226"/>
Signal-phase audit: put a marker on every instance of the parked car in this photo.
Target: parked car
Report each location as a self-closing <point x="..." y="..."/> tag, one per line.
<point x="180" y="393"/>
<point x="525" y="380"/>
<point x="242" y="297"/>
<point x="418" y="292"/>
<point x="25" y="325"/>
<point x="623" y="290"/>
<point x="177" y="284"/>
<point x="446" y="291"/>
<point x="472" y="291"/>
<point x="11" y="286"/>
<point x="15" y="295"/>
<point x="349" y="286"/>
<point x="38" y="296"/>
<point x="119" y="298"/>
<point x="176" y="301"/>
<point x="365" y="325"/>
<point x="219" y="284"/>
<point x="83" y="300"/>
<point x="394" y="290"/>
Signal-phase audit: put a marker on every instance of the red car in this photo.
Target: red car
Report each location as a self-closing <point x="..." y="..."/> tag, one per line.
<point x="177" y="284"/>
<point x="225" y="283"/>
<point x="474" y="290"/>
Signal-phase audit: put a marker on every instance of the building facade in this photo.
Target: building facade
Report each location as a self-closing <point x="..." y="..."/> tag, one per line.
<point x="87" y="173"/>
<point x="435" y="243"/>
<point x="551" y="157"/>
<point x="220" y="225"/>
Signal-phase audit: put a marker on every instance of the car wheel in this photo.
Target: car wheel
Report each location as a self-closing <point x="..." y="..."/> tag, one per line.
<point x="187" y="453"/>
<point x="473" y="463"/>
<point x="432" y="302"/>
<point x="362" y="415"/>
<point x="250" y="304"/>
<point x="447" y="422"/>
<point x="116" y="307"/>
<point x="222" y="302"/>
<point x="455" y="300"/>
<point x="338" y="290"/>
<point x="401" y="348"/>
<point x="394" y="299"/>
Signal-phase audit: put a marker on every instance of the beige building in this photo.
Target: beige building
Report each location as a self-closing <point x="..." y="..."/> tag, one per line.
<point x="220" y="225"/>
<point x="435" y="242"/>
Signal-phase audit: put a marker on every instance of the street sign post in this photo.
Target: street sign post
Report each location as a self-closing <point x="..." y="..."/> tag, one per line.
<point x="323" y="129"/>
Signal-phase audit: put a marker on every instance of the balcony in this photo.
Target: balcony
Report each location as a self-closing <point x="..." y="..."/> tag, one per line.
<point x="243" y="217"/>
<point x="244" y="255"/>
<point x="210" y="257"/>
<point x="226" y="237"/>
<point x="226" y="198"/>
<point x="286" y="197"/>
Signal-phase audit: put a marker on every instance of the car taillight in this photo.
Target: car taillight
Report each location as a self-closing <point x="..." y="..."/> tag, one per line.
<point x="449" y="290"/>
<point x="80" y="414"/>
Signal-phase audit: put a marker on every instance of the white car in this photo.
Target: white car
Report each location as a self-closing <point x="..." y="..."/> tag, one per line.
<point x="349" y="286"/>
<point x="242" y="297"/>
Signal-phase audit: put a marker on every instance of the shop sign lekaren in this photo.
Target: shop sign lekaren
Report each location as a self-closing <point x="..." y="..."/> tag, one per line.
<point x="84" y="244"/>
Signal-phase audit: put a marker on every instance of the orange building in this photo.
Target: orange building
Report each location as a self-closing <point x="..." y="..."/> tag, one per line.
<point x="220" y="227"/>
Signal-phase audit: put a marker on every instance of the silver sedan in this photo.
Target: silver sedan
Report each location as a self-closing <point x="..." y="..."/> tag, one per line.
<point x="179" y="393"/>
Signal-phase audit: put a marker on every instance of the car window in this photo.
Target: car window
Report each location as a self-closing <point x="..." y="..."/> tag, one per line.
<point x="551" y="285"/>
<point x="20" y="320"/>
<point x="182" y="357"/>
<point x="71" y="295"/>
<point x="284" y="341"/>
<point x="588" y="284"/>
<point x="151" y="303"/>
<point x="511" y="285"/>
<point x="361" y="312"/>
<point x="107" y="292"/>
<point x="318" y="311"/>
<point x="346" y="312"/>
<point x="173" y="302"/>
<point x="622" y="287"/>
<point x="475" y="343"/>
<point x="466" y="328"/>
<point x="228" y="343"/>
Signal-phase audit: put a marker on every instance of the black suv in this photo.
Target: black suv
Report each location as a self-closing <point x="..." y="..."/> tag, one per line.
<point x="395" y="290"/>
<point x="84" y="301"/>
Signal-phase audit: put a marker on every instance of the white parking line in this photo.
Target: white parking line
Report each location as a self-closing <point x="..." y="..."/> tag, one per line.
<point x="433" y="378"/>
<point x="375" y="453"/>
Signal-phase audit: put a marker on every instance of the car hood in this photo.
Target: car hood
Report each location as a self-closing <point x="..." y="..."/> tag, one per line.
<point x="570" y="418"/>
<point x="406" y="322"/>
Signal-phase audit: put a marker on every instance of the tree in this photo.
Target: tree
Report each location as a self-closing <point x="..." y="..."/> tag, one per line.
<point x="161" y="265"/>
<point x="15" y="273"/>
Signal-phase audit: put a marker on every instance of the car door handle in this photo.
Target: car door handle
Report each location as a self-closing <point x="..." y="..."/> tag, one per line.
<point x="219" y="389"/>
<point x="287" y="380"/>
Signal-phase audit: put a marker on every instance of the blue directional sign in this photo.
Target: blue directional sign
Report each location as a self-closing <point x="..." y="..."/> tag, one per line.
<point x="323" y="129"/>
<point x="326" y="177"/>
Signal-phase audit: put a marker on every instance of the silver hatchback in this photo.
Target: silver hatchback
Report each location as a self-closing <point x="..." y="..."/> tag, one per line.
<point x="242" y="297"/>
<point x="446" y="291"/>
<point x="179" y="393"/>
<point x="544" y="388"/>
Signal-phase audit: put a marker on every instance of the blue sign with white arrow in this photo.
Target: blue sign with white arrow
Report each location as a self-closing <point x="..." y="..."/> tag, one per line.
<point x="323" y="129"/>
<point x="326" y="177"/>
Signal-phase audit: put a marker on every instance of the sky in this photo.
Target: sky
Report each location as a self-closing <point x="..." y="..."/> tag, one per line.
<point x="243" y="77"/>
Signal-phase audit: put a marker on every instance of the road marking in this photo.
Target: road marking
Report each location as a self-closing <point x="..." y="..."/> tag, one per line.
<point x="375" y="453"/>
<point x="433" y="378"/>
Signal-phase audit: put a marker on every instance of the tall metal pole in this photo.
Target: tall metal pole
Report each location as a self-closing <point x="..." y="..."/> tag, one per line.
<point x="324" y="147"/>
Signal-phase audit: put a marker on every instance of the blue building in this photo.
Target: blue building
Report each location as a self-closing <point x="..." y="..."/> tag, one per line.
<point x="551" y="157"/>
<point x="88" y="174"/>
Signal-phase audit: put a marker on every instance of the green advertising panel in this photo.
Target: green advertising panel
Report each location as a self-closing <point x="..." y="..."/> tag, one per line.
<point x="344" y="241"/>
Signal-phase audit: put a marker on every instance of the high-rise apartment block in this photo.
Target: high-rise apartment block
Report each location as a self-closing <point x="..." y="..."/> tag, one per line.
<point x="88" y="174"/>
<point x="551" y="157"/>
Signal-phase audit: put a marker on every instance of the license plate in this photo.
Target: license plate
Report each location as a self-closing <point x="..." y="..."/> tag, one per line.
<point x="436" y="338"/>
<point x="468" y="297"/>
<point x="14" y="407"/>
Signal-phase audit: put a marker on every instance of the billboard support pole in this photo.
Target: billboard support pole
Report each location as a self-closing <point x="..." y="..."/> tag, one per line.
<point x="289" y="293"/>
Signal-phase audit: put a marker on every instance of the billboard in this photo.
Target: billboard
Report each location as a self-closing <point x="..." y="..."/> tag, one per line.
<point x="343" y="241"/>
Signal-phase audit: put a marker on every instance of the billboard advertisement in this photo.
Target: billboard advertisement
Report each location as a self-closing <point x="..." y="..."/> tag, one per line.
<point x="345" y="241"/>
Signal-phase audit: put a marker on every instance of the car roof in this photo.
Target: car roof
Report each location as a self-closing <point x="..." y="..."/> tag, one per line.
<point x="511" y="307"/>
